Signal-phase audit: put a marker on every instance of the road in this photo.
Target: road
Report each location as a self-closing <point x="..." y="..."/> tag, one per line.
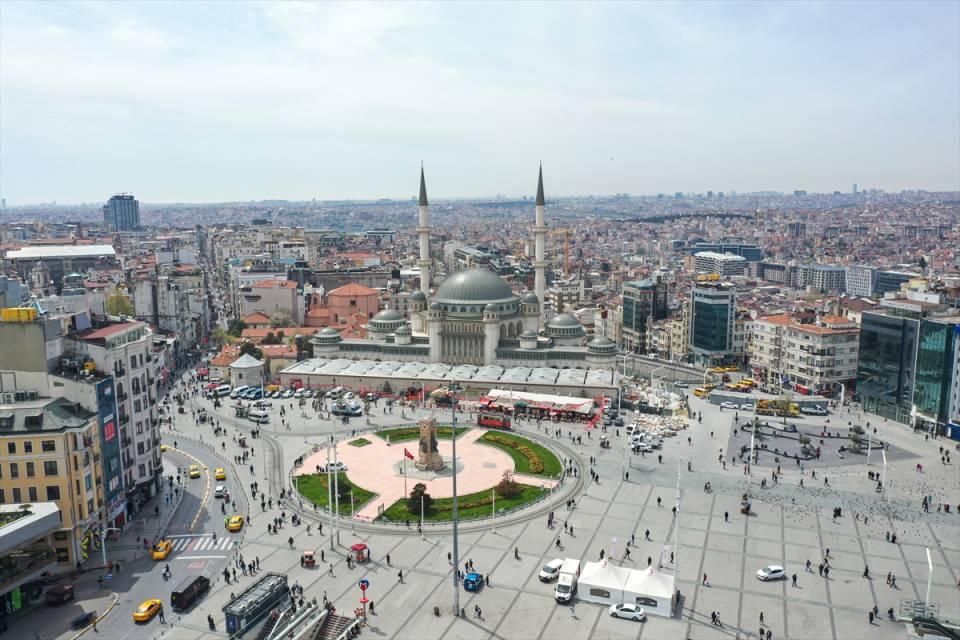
<point x="195" y="550"/>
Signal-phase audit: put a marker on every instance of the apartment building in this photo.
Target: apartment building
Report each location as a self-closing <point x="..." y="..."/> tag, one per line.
<point x="49" y="452"/>
<point x="273" y="297"/>
<point x="125" y="350"/>
<point x="813" y="354"/>
<point x="720" y="264"/>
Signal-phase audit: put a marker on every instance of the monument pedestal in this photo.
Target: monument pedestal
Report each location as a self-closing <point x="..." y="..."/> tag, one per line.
<point x="429" y="458"/>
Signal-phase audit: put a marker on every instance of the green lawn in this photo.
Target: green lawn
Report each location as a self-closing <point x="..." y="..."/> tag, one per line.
<point x="313" y="487"/>
<point x="404" y="434"/>
<point x="525" y="453"/>
<point x="360" y="442"/>
<point x="472" y="505"/>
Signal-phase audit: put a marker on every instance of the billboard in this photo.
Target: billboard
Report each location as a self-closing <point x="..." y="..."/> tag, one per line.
<point x="115" y="499"/>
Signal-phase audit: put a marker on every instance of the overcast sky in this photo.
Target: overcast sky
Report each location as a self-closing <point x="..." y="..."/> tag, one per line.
<point x="208" y="102"/>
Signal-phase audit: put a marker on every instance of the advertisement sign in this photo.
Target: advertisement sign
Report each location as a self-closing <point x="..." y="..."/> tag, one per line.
<point x="110" y="448"/>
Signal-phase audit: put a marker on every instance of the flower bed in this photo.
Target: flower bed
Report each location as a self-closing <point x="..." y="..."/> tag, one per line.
<point x="528" y="456"/>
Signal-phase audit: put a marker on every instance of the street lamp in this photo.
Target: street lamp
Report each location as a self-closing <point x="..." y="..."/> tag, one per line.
<point x="103" y="543"/>
<point x="456" y="515"/>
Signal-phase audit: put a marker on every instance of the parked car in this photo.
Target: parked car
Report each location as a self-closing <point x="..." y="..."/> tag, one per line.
<point x="771" y="572"/>
<point x="473" y="581"/>
<point x="288" y="393"/>
<point x="299" y="393"/>
<point x="680" y="384"/>
<point x="727" y="405"/>
<point x="628" y="611"/>
<point x="551" y="570"/>
<point x="334" y="467"/>
<point x="747" y="407"/>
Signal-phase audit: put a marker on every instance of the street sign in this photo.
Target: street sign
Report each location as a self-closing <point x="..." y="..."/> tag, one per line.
<point x="364" y="583"/>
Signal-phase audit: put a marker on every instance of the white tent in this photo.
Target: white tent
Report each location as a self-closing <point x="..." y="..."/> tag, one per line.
<point x="650" y="589"/>
<point x="602" y="582"/>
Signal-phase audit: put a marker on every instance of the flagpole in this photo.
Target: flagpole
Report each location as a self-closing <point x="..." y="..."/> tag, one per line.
<point x="405" y="494"/>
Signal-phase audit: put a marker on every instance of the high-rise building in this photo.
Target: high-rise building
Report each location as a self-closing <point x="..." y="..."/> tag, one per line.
<point x="888" y="281"/>
<point x="797" y="229"/>
<point x="713" y="309"/>
<point x="644" y="301"/>
<point x="861" y="280"/>
<point x="750" y="252"/>
<point x="822" y="277"/>
<point x="721" y="264"/>
<point x="934" y="371"/>
<point x="886" y="367"/>
<point x="122" y="212"/>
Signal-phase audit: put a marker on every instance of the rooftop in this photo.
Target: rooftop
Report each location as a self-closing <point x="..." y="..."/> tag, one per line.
<point x="274" y="284"/>
<point x="43" y="415"/>
<point x="63" y="251"/>
<point x="109" y="330"/>
<point x="353" y="289"/>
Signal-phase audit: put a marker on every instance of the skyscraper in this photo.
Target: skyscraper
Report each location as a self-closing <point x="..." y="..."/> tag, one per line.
<point x="713" y="309"/>
<point x="122" y="212"/>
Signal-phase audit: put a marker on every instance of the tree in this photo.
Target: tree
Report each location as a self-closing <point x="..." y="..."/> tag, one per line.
<point x="119" y="305"/>
<point x="413" y="504"/>
<point x="235" y="327"/>
<point x="508" y="487"/>
<point x="250" y="348"/>
<point x="281" y="318"/>
<point x="220" y="337"/>
<point x="281" y="336"/>
<point x="270" y="338"/>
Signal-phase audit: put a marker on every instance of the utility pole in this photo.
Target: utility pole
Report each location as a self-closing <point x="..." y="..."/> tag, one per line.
<point x="330" y="495"/>
<point x="336" y="478"/>
<point x="456" y="515"/>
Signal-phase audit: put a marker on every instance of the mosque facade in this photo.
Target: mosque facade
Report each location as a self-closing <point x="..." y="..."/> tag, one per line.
<point x="474" y="318"/>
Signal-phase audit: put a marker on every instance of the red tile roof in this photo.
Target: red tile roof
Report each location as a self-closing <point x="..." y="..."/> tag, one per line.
<point x="274" y="284"/>
<point x="257" y="318"/>
<point x="353" y="289"/>
<point x="105" y="332"/>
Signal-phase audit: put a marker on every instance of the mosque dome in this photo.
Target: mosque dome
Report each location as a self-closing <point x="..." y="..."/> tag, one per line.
<point x="418" y="296"/>
<point x="387" y="315"/>
<point x="473" y="286"/>
<point x="530" y="298"/>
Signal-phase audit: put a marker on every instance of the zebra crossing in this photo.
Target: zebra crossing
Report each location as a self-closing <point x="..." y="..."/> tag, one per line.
<point x="203" y="542"/>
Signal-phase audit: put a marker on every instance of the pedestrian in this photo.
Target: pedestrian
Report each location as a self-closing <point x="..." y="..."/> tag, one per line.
<point x="826" y="572"/>
<point x="704" y="579"/>
<point x="870" y="616"/>
<point x="388" y="559"/>
<point x="794" y="580"/>
<point x="726" y="516"/>
<point x="713" y="617"/>
<point x="769" y="634"/>
<point x="888" y="577"/>
<point x="761" y="618"/>
<point x="400" y="576"/>
<point x="162" y="619"/>
<point x="647" y="534"/>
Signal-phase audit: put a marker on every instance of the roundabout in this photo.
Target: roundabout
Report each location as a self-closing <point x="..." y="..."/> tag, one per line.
<point x="494" y="469"/>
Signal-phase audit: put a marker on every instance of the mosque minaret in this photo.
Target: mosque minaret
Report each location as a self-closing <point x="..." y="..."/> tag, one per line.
<point x="540" y="240"/>
<point x="423" y="230"/>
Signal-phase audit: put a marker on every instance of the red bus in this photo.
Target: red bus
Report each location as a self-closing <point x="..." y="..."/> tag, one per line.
<point x="493" y="420"/>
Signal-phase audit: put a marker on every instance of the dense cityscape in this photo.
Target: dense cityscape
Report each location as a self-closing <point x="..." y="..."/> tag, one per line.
<point x="453" y="417"/>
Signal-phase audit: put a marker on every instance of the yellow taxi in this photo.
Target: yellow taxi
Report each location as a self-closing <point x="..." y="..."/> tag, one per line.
<point x="731" y="369"/>
<point x="220" y="474"/>
<point x="147" y="609"/>
<point x="161" y="550"/>
<point x="163" y="447"/>
<point x="234" y="523"/>
<point x="194" y="471"/>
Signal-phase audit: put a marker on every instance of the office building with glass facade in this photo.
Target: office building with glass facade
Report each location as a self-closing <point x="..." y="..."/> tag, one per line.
<point x="934" y="372"/>
<point x="643" y="301"/>
<point x="713" y="309"/>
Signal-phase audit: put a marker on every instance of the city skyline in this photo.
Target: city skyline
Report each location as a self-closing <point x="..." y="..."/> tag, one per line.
<point x="194" y="103"/>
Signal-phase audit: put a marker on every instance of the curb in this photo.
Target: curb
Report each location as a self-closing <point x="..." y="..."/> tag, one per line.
<point x="110" y="607"/>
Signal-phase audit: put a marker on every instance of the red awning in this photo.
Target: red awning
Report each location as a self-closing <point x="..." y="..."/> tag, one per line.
<point x="358" y="547"/>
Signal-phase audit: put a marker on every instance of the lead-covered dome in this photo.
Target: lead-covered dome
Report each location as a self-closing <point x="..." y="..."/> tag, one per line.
<point x="474" y="285"/>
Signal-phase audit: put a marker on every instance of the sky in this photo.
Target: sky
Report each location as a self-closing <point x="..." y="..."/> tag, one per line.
<point x="204" y="102"/>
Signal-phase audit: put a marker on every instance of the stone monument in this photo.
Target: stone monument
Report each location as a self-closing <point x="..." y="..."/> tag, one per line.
<point x="429" y="458"/>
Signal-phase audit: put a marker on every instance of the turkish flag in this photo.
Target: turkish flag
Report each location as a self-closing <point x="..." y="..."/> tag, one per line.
<point x="407" y="453"/>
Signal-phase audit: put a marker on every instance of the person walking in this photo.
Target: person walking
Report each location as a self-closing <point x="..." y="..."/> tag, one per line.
<point x="400" y="576"/>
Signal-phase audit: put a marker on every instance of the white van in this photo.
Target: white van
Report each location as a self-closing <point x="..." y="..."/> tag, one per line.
<point x="221" y="391"/>
<point x="335" y="393"/>
<point x="259" y="416"/>
<point x="236" y="392"/>
<point x="567" y="582"/>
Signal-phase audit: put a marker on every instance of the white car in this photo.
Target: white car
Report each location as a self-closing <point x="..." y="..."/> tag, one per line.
<point x="308" y="393"/>
<point x="288" y="393"/>
<point x="219" y="491"/>
<point x="551" y="570"/>
<point x="727" y="405"/>
<point x="348" y="395"/>
<point x="642" y="447"/>
<point x="334" y="466"/>
<point x="628" y="611"/>
<point x="772" y="572"/>
<point x="299" y="393"/>
<point x="631" y="428"/>
<point x="746" y="407"/>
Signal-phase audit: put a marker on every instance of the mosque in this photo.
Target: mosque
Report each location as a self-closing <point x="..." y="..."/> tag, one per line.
<point x="474" y="318"/>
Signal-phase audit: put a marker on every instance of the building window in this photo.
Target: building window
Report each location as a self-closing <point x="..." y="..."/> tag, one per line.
<point x="133" y="362"/>
<point x="600" y="593"/>
<point x="12" y="448"/>
<point x="32" y="493"/>
<point x="50" y="468"/>
<point x="48" y="446"/>
<point x="17" y="495"/>
<point x="53" y="492"/>
<point x="31" y="472"/>
<point x="3" y="497"/>
<point x="142" y="470"/>
<point x="14" y="470"/>
<point x="28" y="447"/>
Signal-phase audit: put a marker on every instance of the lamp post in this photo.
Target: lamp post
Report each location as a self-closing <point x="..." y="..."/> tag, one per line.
<point x="103" y="543"/>
<point x="330" y="495"/>
<point x="676" y="527"/>
<point x="883" y="477"/>
<point x="456" y="515"/>
<point x="493" y="511"/>
<point x="926" y="601"/>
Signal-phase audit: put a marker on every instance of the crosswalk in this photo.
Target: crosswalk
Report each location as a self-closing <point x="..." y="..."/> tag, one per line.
<point x="204" y="542"/>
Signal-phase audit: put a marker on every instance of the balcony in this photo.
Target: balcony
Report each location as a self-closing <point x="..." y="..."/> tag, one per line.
<point x="124" y="419"/>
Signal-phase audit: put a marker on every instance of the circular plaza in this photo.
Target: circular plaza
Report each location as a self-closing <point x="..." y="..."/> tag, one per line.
<point x="385" y="473"/>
